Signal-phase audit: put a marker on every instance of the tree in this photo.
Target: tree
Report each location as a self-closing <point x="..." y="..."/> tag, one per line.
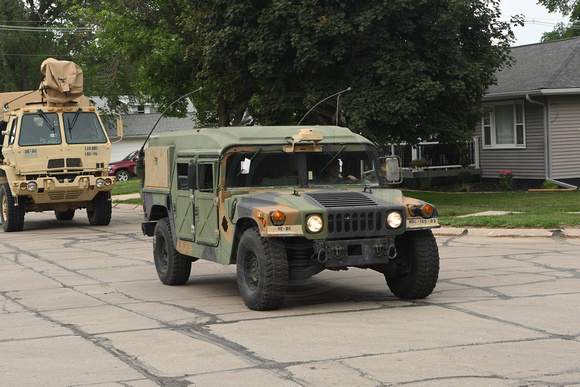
<point x="569" y="8"/>
<point x="417" y="68"/>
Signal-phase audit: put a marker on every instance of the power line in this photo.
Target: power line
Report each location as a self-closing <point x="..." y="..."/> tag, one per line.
<point x="4" y="27"/>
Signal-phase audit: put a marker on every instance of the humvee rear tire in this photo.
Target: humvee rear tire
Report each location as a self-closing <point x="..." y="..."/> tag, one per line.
<point x="262" y="271"/>
<point x="418" y="261"/>
<point x="67" y="215"/>
<point x="100" y="215"/>
<point x="173" y="268"/>
<point x="11" y="216"/>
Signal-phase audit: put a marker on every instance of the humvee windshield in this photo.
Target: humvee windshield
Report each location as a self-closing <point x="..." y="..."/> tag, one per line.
<point x="335" y="164"/>
<point x="83" y="128"/>
<point x="39" y="129"/>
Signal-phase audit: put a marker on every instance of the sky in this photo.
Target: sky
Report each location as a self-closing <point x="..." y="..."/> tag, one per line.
<point x="538" y="19"/>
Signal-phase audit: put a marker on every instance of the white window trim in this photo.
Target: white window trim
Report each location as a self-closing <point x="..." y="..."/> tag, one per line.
<point x="493" y="144"/>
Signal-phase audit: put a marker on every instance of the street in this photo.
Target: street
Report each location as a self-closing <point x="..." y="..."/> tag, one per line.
<point x="82" y="306"/>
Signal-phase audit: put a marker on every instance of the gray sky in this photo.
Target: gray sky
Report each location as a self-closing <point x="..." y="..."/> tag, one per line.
<point x="538" y="19"/>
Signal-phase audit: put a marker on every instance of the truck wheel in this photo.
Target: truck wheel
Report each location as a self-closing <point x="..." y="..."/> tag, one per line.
<point x="12" y="216"/>
<point x="123" y="175"/>
<point x="173" y="268"/>
<point x="100" y="215"/>
<point x="262" y="271"/>
<point x="67" y="215"/>
<point x="418" y="263"/>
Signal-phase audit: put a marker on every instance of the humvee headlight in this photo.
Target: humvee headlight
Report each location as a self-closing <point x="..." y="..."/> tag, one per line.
<point x="394" y="219"/>
<point x="100" y="183"/>
<point x="278" y="218"/>
<point x="108" y="182"/>
<point x="32" y="186"/>
<point x="314" y="223"/>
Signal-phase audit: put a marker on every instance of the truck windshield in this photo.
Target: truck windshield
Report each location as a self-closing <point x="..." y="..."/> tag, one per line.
<point x="39" y="129"/>
<point x="83" y="128"/>
<point x="350" y="164"/>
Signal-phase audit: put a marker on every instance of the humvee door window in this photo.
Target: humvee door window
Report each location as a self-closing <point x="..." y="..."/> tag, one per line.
<point x="83" y="128"/>
<point x="39" y="129"/>
<point x="205" y="177"/>
<point x="182" y="176"/>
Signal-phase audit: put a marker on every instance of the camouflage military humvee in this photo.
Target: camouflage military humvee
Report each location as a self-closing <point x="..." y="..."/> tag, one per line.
<point x="283" y="204"/>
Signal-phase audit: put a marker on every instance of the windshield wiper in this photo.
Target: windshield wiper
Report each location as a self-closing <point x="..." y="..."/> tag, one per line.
<point x="333" y="158"/>
<point x="46" y="120"/>
<point x="74" y="120"/>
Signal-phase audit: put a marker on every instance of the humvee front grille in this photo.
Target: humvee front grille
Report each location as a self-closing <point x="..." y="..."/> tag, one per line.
<point x="351" y="214"/>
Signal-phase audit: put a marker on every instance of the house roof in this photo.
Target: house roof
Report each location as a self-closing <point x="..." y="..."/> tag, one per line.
<point x="139" y="125"/>
<point x="541" y="68"/>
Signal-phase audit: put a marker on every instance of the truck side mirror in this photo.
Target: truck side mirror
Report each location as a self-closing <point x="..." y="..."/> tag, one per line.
<point x="120" y="130"/>
<point x="191" y="176"/>
<point x="391" y="167"/>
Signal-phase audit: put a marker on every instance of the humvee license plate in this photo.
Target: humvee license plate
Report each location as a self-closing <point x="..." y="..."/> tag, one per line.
<point x="420" y="222"/>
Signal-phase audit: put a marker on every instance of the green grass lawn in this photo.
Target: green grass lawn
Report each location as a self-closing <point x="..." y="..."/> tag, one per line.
<point x="538" y="209"/>
<point x="126" y="187"/>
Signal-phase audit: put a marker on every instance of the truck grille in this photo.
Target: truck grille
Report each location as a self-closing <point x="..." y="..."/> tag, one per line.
<point x="70" y="163"/>
<point x="351" y="215"/>
<point x="64" y="195"/>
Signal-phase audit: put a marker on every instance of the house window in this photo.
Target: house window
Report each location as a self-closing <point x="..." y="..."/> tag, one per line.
<point x="503" y="126"/>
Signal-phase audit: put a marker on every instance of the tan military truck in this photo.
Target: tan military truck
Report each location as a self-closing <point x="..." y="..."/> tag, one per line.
<point x="54" y="151"/>
<point x="283" y="204"/>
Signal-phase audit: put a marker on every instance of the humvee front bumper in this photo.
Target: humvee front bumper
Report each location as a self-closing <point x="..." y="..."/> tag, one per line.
<point x="355" y="252"/>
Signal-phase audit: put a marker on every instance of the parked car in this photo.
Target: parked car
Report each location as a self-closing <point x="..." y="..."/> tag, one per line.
<point x="125" y="169"/>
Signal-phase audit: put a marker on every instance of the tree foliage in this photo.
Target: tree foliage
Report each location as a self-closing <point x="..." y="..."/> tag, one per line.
<point x="570" y="8"/>
<point x="416" y="68"/>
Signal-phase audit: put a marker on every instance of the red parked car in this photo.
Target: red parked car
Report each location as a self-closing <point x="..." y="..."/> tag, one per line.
<point x="125" y="169"/>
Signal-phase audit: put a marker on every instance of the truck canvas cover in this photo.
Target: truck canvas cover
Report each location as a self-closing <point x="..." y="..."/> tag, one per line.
<point x="63" y="81"/>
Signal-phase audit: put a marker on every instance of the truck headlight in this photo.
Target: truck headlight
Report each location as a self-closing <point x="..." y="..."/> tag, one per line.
<point x="394" y="219"/>
<point x="99" y="183"/>
<point x="314" y="223"/>
<point x="108" y="182"/>
<point x="32" y="186"/>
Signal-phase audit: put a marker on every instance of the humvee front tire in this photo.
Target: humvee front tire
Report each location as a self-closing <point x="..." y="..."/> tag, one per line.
<point x="418" y="261"/>
<point x="12" y="216"/>
<point x="100" y="215"/>
<point x="262" y="271"/>
<point x="173" y="268"/>
<point x="66" y="215"/>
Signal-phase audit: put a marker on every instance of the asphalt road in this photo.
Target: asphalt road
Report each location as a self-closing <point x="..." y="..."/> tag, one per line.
<point x="82" y="306"/>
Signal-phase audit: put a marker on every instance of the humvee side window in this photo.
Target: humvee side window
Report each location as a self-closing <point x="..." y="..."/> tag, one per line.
<point x="39" y="129"/>
<point x="205" y="177"/>
<point x="83" y="128"/>
<point x="182" y="176"/>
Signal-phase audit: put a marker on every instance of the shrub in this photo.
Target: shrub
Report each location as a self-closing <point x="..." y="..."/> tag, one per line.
<point x="506" y="180"/>
<point x="549" y="185"/>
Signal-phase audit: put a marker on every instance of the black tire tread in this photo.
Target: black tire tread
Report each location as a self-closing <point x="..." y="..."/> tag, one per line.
<point x="423" y="244"/>
<point x="100" y="215"/>
<point x="179" y="267"/>
<point x="15" y="214"/>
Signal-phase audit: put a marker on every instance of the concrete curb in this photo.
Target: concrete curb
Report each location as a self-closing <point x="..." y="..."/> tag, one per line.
<point x="507" y="232"/>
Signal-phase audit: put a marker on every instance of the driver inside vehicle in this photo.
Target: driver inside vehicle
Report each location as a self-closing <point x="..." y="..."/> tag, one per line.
<point x="332" y="175"/>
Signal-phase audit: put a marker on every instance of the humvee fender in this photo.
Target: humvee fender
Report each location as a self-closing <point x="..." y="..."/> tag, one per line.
<point x="283" y="204"/>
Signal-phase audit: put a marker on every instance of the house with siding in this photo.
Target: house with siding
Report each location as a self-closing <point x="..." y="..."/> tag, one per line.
<point x="531" y="123"/>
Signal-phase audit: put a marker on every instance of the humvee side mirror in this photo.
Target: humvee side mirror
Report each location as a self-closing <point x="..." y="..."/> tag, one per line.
<point x="191" y="176"/>
<point x="391" y="168"/>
